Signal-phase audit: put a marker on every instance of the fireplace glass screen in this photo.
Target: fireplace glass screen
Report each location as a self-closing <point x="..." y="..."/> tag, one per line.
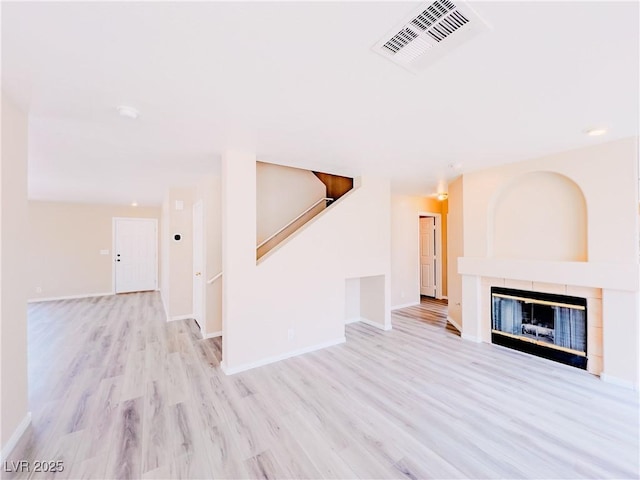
<point x="550" y="326"/>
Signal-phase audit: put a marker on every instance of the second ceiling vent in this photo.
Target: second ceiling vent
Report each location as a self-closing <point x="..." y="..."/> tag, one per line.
<point x="430" y="32"/>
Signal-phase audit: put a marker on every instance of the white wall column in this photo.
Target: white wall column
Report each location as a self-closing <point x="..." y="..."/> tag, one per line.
<point x="621" y="337"/>
<point x="238" y="251"/>
<point x="471" y="308"/>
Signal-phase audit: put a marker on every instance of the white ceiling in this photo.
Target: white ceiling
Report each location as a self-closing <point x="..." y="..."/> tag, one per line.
<point x="298" y="84"/>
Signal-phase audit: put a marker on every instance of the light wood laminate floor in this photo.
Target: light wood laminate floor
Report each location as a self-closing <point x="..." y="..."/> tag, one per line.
<point x="429" y="310"/>
<point x="116" y="392"/>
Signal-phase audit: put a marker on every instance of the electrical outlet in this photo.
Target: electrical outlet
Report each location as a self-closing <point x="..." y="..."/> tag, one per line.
<point x="291" y="334"/>
<point x="38" y="289"/>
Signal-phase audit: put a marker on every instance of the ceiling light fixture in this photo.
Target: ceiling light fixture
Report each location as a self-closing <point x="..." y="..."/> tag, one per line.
<point x="134" y="204"/>
<point x="128" y="112"/>
<point x="595" y="132"/>
<point x="442" y="196"/>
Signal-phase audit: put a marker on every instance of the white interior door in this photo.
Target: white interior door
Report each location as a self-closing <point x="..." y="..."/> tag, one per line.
<point x="198" y="264"/>
<point x="428" y="256"/>
<point x="136" y="254"/>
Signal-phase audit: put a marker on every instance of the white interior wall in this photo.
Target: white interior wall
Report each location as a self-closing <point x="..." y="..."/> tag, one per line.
<point x="372" y="301"/>
<point x="294" y="300"/>
<point x="14" y="415"/>
<point x="283" y="193"/>
<point x="352" y="294"/>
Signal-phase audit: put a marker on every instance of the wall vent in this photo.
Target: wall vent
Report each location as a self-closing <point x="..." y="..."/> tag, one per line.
<point x="430" y="32"/>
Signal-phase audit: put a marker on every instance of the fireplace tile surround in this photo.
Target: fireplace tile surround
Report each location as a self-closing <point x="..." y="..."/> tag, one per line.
<point x="607" y="288"/>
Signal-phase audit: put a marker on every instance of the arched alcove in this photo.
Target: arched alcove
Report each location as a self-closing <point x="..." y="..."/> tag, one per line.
<point x="539" y="216"/>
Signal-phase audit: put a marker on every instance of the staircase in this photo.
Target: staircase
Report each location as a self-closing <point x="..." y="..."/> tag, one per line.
<point x="280" y="189"/>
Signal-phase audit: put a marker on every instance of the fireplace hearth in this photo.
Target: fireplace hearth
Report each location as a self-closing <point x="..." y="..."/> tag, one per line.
<point x="543" y="324"/>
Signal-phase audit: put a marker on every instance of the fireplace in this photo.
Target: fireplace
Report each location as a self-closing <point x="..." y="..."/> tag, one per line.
<point x="543" y="324"/>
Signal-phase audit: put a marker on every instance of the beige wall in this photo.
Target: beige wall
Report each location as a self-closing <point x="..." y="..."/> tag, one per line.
<point x="455" y="249"/>
<point x="64" y="244"/>
<point x="283" y="193"/>
<point x="605" y="173"/>
<point x="539" y="216"/>
<point x="13" y="278"/>
<point x="177" y="257"/>
<point x="164" y="241"/>
<point x="178" y="295"/>
<point x="405" y="246"/>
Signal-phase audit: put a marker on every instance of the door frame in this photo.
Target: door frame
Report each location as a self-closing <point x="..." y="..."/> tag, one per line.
<point x="438" y="252"/>
<point x="203" y="278"/>
<point x="113" y="249"/>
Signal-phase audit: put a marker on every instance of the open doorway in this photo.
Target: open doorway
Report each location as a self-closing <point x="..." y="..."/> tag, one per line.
<point x="198" y="266"/>
<point x="430" y="245"/>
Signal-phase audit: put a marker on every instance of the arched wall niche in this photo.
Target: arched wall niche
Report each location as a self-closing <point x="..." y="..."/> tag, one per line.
<point x="539" y="216"/>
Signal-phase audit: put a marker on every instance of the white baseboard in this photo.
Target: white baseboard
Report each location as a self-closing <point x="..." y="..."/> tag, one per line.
<point x="15" y="438"/>
<point x="180" y="317"/>
<point x="69" y="297"/>
<point x="277" y="358"/>
<point x="164" y="306"/>
<point x="454" y="323"/>
<point x="405" y="305"/>
<point x="471" y="338"/>
<point x="212" y="335"/>
<point x="368" y="322"/>
<point x="618" y="381"/>
<point x="374" y="324"/>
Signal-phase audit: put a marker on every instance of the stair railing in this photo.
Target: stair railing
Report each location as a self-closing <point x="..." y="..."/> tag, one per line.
<point x="264" y="242"/>
<point x="213" y="279"/>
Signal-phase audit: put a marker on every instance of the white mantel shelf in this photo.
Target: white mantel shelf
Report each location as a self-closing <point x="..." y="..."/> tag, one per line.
<point x="613" y="276"/>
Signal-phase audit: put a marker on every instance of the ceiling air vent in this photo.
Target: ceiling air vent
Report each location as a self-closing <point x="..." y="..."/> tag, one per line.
<point x="429" y="33"/>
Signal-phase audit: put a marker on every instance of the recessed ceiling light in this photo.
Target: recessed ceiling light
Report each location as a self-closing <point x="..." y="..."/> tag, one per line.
<point x="128" y="112"/>
<point x="134" y="204"/>
<point x="595" y="132"/>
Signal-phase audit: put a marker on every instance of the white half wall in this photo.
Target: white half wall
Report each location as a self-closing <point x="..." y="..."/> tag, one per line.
<point x="621" y="337"/>
<point x="352" y="306"/>
<point x="294" y="300"/>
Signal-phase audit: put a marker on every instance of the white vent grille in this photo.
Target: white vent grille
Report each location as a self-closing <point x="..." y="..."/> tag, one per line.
<point x="431" y="14"/>
<point x="429" y="33"/>
<point x="400" y="40"/>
